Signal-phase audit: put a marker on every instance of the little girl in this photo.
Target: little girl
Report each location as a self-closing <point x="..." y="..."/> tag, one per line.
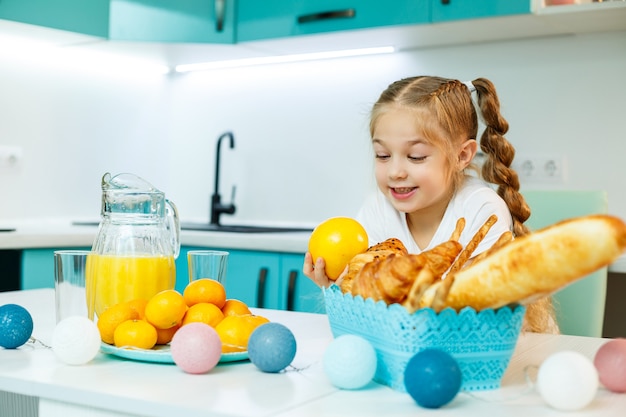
<point x="424" y="132"/>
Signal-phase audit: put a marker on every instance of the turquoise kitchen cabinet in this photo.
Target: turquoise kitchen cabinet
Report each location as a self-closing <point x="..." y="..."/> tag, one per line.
<point x="131" y="20"/>
<point x="80" y="16"/>
<point x="301" y="294"/>
<point x="283" y="18"/>
<point x="38" y="267"/>
<point x="252" y="277"/>
<point x="193" y="21"/>
<point x="262" y="279"/>
<point x="449" y="10"/>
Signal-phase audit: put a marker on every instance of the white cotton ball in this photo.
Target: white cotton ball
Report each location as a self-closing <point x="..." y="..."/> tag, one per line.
<point x="76" y="340"/>
<point x="350" y="362"/>
<point x="567" y="381"/>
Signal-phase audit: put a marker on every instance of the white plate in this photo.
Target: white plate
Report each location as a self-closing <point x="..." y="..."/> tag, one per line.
<point x="160" y="354"/>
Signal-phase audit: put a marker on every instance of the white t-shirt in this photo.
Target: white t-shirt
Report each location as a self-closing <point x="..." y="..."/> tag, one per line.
<point x="475" y="201"/>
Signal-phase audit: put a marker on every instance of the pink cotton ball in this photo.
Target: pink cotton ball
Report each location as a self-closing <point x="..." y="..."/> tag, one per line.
<point x="196" y="348"/>
<point x="610" y="361"/>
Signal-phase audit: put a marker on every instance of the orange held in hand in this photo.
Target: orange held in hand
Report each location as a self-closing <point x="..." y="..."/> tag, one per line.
<point x="337" y="240"/>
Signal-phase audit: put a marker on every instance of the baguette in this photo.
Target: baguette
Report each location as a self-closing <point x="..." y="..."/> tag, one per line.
<point x="536" y="265"/>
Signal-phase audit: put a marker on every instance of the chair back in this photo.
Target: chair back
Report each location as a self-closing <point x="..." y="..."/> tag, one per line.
<point x="579" y="306"/>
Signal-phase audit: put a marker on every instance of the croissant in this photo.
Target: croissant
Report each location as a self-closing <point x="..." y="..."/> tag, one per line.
<point x="373" y="253"/>
<point x="392" y="277"/>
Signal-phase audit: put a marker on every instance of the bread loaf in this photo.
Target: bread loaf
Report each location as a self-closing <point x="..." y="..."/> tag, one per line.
<point x="536" y="265"/>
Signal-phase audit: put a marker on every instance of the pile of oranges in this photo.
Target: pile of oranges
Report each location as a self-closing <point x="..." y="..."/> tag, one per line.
<point x="146" y="323"/>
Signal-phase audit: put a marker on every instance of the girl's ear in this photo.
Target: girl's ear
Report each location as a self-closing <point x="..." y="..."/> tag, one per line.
<point x="467" y="152"/>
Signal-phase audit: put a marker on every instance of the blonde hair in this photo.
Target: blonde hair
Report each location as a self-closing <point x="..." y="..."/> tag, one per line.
<point x="445" y="115"/>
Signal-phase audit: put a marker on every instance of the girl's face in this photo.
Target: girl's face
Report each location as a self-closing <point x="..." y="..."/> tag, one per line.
<point x="411" y="172"/>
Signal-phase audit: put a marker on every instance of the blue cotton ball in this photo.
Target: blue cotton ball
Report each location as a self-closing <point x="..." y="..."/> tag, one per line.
<point x="350" y="362"/>
<point x="16" y="326"/>
<point x="433" y="378"/>
<point x="271" y="347"/>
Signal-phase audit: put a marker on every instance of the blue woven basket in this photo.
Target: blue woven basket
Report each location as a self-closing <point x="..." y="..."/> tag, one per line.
<point x="481" y="342"/>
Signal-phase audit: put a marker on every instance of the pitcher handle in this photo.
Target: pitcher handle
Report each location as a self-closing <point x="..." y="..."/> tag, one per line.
<point x="173" y="226"/>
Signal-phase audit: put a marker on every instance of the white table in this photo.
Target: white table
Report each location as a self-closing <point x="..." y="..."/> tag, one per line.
<point x="109" y="386"/>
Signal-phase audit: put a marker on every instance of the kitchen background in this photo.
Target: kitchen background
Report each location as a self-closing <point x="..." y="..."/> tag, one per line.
<point x="302" y="150"/>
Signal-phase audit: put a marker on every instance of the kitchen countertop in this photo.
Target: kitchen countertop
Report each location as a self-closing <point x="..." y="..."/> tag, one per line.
<point x="55" y="233"/>
<point x="60" y="233"/>
<point x="111" y="386"/>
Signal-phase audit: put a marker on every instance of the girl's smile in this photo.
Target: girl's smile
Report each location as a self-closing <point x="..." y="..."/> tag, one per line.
<point x="403" y="193"/>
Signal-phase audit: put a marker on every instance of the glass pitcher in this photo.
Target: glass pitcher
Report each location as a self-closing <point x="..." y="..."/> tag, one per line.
<point x="133" y="254"/>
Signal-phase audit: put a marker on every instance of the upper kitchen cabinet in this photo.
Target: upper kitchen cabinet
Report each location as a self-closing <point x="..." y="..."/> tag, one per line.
<point x="449" y="10"/>
<point x="270" y="19"/>
<point x="190" y="21"/>
<point x="180" y="21"/>
<point x="80" y="16"/>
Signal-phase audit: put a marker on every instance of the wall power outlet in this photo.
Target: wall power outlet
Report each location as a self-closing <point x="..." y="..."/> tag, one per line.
<point x="540" y="169"/>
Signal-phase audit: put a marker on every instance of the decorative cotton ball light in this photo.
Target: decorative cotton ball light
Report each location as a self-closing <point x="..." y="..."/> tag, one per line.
<point x="196" y="348"/>
<point x="433" y="378"/>
<point x="610" y="362"/>
<point x="350" y="362"/>
<point x="271" y="347"/>
<point x="567" y="381"/>
<point x="16" y="326"/>
<point x="76" y="340"/>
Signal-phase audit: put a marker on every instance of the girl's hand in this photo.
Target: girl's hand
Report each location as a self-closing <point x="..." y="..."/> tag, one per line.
<point x="316" y="272"/>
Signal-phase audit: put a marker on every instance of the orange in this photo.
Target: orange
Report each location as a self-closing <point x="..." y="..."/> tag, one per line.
<point x="166" y="309"/>
<point x="135" y="333"/>
<point x="113" y="317"/>
<point x="234" y="331"/>
<point x="234" y="307"/>
<point x="205" y="290"/>
<point x="138" y="305"/>
<point x="204" y="313"/>
<point x="164" y="336"/>
<point x="337" y="240"/>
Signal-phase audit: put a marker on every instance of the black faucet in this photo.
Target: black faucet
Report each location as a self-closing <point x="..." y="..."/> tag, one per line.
<point x="217" y="208"/>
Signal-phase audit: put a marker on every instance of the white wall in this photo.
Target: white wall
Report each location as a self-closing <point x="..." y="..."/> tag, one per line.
<point x="302" y="151"/>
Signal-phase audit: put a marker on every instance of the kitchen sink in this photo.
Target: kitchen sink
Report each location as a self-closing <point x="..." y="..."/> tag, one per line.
<point x="241" y="228"/>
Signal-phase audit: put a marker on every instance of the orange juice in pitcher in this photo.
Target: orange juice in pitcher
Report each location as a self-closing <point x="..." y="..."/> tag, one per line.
<point x="114" y="279"/>
<point x="136" y="245"/>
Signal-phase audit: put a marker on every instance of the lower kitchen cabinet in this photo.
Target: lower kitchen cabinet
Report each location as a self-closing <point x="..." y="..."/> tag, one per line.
<point x="11" y="261"/>
<point x="263" y="279"/>
<point x="302" y="294"/>
<point x="260" y="279"/>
